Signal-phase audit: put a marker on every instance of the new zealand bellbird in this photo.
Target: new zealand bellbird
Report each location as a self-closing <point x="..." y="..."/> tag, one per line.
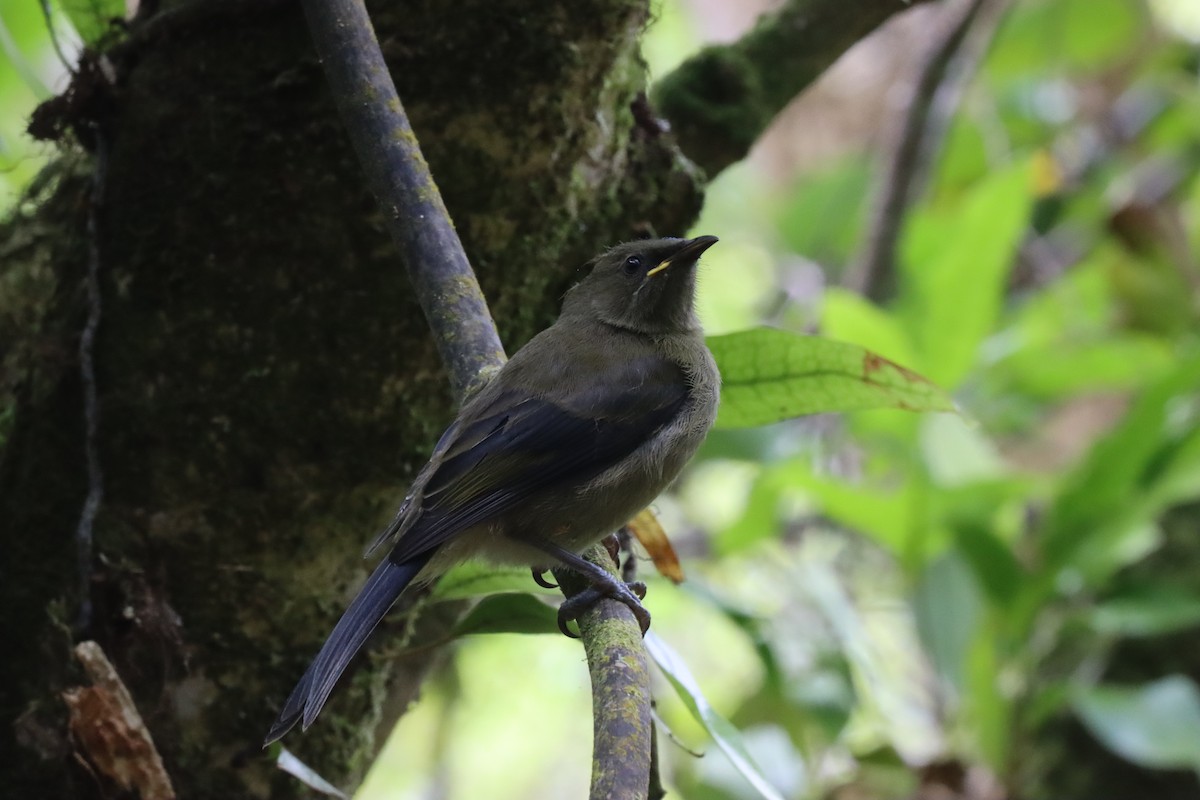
<point x="578" y="432"/>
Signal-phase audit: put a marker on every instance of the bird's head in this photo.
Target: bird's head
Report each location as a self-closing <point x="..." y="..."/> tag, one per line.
<point x="646" y="286"/>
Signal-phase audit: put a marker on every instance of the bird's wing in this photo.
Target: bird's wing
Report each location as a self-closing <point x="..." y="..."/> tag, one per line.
<point x="518" y="445"/>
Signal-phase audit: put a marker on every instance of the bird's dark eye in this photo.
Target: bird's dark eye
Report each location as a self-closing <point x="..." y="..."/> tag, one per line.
<point x="632" y="265"/>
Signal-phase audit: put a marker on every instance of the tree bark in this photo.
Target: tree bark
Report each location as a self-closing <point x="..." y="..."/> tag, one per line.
<point x="267" y="381"/>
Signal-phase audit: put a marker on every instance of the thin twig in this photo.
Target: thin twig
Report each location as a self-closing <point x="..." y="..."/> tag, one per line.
<point x="719" y="101"/>
<point x="50" y="30"/>
<point x="469" y="346"/>
<point x="945" y="69"/>
<point x="400" y="179"/>
<point x="655" y="791"/>
<point x="91" y="400"/>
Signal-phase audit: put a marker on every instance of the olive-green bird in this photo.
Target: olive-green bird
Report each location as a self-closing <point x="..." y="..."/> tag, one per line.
<point x="579" y="431"/>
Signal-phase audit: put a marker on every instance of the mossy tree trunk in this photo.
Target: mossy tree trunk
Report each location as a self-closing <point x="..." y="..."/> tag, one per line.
<point x="267" y="383"/>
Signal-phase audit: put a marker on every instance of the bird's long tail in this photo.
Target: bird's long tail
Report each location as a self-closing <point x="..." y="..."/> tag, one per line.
<point x="373" y="601"/>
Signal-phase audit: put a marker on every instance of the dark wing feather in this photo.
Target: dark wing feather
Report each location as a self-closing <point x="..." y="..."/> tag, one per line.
<point x="523" y="445"/>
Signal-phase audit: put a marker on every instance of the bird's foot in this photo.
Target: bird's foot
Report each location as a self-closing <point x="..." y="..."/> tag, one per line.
<point x="628" y="594"/>
<point x="603" y="585"/>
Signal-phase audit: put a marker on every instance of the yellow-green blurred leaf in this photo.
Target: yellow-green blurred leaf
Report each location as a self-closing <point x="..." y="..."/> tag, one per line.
<point x="955" y="261"/>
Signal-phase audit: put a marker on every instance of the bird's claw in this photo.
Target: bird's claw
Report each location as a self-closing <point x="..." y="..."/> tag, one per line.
<point x="628" y="594"/>
<point x="538" y="573"/>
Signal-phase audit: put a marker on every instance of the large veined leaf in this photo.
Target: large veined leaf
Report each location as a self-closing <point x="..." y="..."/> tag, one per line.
<point x="768" y="375"/>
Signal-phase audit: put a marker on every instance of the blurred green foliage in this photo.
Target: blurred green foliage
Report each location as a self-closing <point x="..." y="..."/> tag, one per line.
<point x="1050" y="265"/>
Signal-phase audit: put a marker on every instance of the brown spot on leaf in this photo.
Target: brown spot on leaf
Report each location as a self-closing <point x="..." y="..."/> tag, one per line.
<point x="873" y="362"/>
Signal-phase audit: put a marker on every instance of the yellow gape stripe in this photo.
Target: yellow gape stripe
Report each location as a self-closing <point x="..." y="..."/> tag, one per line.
<point x="659" y="268"/>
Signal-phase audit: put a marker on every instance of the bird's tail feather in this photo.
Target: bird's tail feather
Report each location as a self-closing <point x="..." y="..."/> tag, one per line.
<point x="373" y="601"/>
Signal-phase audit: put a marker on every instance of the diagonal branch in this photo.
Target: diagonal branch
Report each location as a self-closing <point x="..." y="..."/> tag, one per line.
<point x="466" y="336"/>
<point x="721" y="100"/>
<point x="400" y="180"/>
<point x="947" y="65"/>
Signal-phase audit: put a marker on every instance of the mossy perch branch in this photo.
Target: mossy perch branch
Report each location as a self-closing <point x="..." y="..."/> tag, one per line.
<point x="721" y="100"/>
<point x="622" y="724"/>
<point x="399" y="178"/>
<point x="469" y="346"/>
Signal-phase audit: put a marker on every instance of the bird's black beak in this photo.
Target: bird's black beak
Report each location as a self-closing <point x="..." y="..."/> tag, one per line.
<point x="688" y="253"/>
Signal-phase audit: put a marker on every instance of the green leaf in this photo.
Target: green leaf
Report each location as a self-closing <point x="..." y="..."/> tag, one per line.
<point x="1156" y="724"/>
<point x="770" y="375"/>
<point x="727" y="737"/>
<point x="823" y="216"/>
<point x="759" y="520"/>
<point x="886" y="514"/>
<point x="1149" y="610"/>
<point x="93" y="18"/>
<point x="947" y="606"/>
<point x="964" y="154"/>
<point x="955" y="259"/>
<point x="995" y="567"/>
<point x="509" y="613"/>
<point x="1148" y="462"/>
<point x="1045" y="37"/>
<point x="474" y="579"/>
<point x="956" y="452"/>
<point x="1064" y="369"/>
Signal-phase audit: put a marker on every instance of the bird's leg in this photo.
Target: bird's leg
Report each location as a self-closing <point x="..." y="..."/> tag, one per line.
<point x="624" y="537"/>
<point x="603" y="585"/>
<point x="613" y="544"/>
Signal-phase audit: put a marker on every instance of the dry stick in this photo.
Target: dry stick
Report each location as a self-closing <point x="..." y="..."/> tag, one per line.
<point x="467" y="341"/>
<point x="106" y="727"/>
<point x="945" y="69"/>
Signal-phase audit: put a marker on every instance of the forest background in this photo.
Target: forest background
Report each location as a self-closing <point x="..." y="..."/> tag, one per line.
<point x="1001" y="196"/>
